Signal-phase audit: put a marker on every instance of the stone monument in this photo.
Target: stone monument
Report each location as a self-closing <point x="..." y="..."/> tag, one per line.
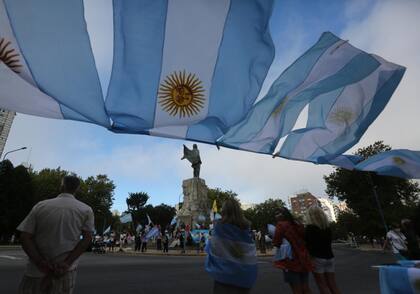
<point x="195" y="205"/>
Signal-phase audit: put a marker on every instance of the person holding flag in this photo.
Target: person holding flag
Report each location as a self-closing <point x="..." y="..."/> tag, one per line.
<point x="231" y="253"/>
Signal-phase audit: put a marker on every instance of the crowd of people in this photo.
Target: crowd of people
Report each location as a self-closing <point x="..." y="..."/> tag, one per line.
<point x="161" y="240"/>
<point x="57" y="231"/>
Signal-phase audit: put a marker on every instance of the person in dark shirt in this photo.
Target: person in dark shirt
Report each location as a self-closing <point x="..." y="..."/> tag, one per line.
<point x="166" y="242"/>
<point x="182" y="241"/>
<point x="318" y="242"/>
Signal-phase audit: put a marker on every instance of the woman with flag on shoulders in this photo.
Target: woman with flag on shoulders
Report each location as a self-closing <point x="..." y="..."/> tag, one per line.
<point x="231" y="253"/>
<point x="297" y="265"/>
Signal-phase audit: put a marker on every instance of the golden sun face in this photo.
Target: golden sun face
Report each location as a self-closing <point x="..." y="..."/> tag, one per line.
<point x="181" y="94"/>
<point x="280" y="107"/>
<point x="341" y="116"/>
<point x="9" y="56"/>
<point x="398" y="160"/>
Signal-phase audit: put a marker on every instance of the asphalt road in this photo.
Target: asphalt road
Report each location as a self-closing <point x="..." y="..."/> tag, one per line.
<point x="112" y="273"/>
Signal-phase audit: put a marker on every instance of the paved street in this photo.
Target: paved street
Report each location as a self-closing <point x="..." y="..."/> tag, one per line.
<point x="113" y="273"/>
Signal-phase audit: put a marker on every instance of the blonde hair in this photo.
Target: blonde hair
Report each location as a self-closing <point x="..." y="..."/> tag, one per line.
<point x="316" y="216"/>
<point x="232" y="214"/>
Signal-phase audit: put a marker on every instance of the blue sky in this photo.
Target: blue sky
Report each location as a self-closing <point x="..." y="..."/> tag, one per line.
<point x="150" y="164"/>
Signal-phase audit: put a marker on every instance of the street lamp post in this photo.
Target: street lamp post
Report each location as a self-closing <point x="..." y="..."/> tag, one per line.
<point x="4" y="157"/>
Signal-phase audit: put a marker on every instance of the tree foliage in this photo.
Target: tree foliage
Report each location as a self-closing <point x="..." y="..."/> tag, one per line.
<point x="136" y="201"/>
<point x="398" y="197"/>
<point x="160" y="215"/>
<point x="98" y="193"/>
<point x="264" y="213"/>
<point x="220" y="196"/>
<point x="47" y="183"/>
<point x="16" y="197"/>
<point x="21" y="189"/>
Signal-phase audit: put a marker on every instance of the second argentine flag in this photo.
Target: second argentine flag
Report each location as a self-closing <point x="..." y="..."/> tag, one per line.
<point x="194" y="65"/>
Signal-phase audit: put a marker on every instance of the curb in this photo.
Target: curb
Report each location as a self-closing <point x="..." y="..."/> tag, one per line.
<point x="10" y="246"/>
<point x="176" y="254"/>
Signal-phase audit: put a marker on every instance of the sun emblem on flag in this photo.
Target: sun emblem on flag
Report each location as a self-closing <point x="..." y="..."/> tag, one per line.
<point x="398" y="160"/>
<point x="280" y="107"/>
<point x="341" y="116"/>
<point x="181" y="94"/>
<point x="9" y="56"/>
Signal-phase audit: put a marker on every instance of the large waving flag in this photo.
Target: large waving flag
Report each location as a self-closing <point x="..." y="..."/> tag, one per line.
<point x="232" y="256"/>
<point x="398" y="163"/>
<point x="337" y="123"/>
<point x="187" y="68"/>
<point x="192" y="69"/>
<point x="345" y="89"/>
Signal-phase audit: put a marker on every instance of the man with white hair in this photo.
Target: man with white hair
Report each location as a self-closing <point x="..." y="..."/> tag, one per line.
<point x="50" y="236"/>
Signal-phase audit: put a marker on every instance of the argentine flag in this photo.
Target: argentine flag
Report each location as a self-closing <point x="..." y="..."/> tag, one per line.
<point x="107" y="230"/>
<point x="399" y="279"/>
<point x="47" y="66"/>
<point x="344" y="88"/>
<point x="398" y="163"/>
<point x="232" y="256"/>
<point x="187" y="68"/>
<point x="154" y="232"/>
<point x="126" y="218"/>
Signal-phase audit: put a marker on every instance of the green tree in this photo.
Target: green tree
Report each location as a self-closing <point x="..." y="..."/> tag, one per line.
<point x="398" y="197"/>
<point x="264" y="213"/>
<point x="98" y="193"/>
<point x="135" y="204"/>
<point x="21" y="189"/>
<point x="347" y="222"/>
<point x="160" y="215"/>
<point x="136" y="201"/>
<point x="16" y="197"/>
<point x="6" y="178"/>
<point x="47" y="183"/>
<point x="220" y="196"/>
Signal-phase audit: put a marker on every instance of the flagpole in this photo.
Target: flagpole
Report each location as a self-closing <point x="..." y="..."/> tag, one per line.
<point x="375" y="193"/>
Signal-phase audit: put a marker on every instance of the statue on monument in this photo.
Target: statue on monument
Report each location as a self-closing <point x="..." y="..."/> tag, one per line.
<point x="195" y="192"/>
<point x="193" y="156"/>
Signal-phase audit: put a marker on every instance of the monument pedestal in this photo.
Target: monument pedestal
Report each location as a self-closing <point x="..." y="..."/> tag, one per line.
<point x="195" y="206"/>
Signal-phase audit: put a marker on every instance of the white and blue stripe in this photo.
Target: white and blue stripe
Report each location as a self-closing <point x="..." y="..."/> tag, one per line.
<point x="345" y="89"/>
<point x="399" y="279"/>
<point x="126" y="218"/>
<point x="338" y="120"/>
<point x="53" y="39"/>
<point x="398" y="163"/>
<point x="18" y="91"/>
<point x="267" y="120"/>
<point x="225" y="43"/>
